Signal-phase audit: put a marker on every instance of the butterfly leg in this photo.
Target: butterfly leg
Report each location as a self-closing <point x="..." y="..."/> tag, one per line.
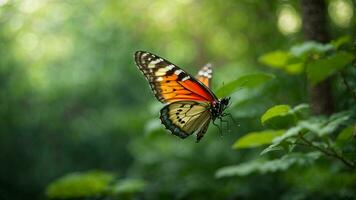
<point x="233" y="120"/>
<point x="220" y="131"/>
<point x="222" y="121"/>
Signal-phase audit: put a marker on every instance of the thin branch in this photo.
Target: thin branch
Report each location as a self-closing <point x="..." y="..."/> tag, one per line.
<point x="348" y="87"/>
<point x="331" y="153"/>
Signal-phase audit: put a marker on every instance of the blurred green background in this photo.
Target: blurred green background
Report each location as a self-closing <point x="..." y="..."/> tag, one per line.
<point x="76" y="112"/>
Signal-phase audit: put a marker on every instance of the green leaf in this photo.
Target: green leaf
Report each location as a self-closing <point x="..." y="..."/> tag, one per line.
<point x="273" y="147"/>
<point x="246" y="81"/>
<point x="322" y="126"/>
<point x="301" y="111"/>
<point x="334" y="122"/>
<point x="345" y="135"/>
<point x="341" y="41"/>
<point x="279" y="110"/>
<point x="255" y="139"/>
<point x="275" y="59"/>
<point x="308" y="48"/>
<point x="289" y="133"/>
<point x="80" y="184"/>
<point x="321" y="69"/>
<point x="128" y="186"/>
<point x="294" y="68"/>
<point x="267" y="166"/>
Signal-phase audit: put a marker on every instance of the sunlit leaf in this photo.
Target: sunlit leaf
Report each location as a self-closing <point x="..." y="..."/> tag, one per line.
<point x="319" y="70"/>
<point x="295" y="68"/>
<point x="279" y="110"/>
<point x="246" y="81"/>
<point x="80" y="184"/>
<point x="255" y="139"/>
<point x="275" y="59"/>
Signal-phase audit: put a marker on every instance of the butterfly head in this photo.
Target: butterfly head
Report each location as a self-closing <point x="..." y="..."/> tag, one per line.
<point x="225" y="102"/>
<point x="219" y="107"/>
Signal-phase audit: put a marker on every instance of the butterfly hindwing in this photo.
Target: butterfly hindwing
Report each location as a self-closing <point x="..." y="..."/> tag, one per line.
<point x="168" y="82"/>
<point x="205" y="74"/>
<point x="184" y="118"/>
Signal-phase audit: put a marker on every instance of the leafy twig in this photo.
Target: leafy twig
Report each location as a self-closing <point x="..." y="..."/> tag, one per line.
<point x="331" y="153"/>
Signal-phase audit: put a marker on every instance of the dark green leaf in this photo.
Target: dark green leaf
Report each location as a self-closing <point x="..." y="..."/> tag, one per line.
<point x="345" y="135"/>
<point x="340" y="41"/>
<point x="319" y="70"/>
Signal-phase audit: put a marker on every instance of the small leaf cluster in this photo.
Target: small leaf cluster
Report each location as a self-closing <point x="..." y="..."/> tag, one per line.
<point x="93" y="184"/>
<point x="318" y="61"/>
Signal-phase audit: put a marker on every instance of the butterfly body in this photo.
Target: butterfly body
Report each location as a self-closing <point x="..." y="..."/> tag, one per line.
<point x="190" y="104"/>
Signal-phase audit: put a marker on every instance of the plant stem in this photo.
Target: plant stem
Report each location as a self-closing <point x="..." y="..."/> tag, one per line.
<point x="331" y="153"/>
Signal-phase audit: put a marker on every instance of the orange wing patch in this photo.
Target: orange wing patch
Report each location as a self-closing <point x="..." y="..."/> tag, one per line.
<point x="168" y="82"/>
<point x="205" y="74"/>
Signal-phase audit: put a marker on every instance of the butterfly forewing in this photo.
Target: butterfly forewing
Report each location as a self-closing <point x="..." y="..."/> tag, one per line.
<point x="184" y="118"/>
<point x="168" y="82"/>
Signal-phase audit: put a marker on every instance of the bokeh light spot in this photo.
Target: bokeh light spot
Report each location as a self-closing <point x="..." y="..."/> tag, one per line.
<point x="289" y="21"/>
<point x="3" y="2"/>
<point x="341" y="12"/>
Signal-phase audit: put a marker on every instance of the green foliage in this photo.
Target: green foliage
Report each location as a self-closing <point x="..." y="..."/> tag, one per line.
<point x="128" y="186"/>
<point x="319" y="70"/>
<point x="93" y="184"/>
<point x="246" y="81"/>
<point x="72" y="99"/>
<point x="269" y="166"/>
<point x="345" y="135"/>
<point x="319" y="61"/>
<point x="316" y="127"/>
<point x="309" y="48"/>
<point x="80" y="184"/>
<point x="256" y="139"/>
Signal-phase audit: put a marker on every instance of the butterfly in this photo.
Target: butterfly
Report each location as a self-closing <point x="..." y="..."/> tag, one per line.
<point x="190" y="103"/>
